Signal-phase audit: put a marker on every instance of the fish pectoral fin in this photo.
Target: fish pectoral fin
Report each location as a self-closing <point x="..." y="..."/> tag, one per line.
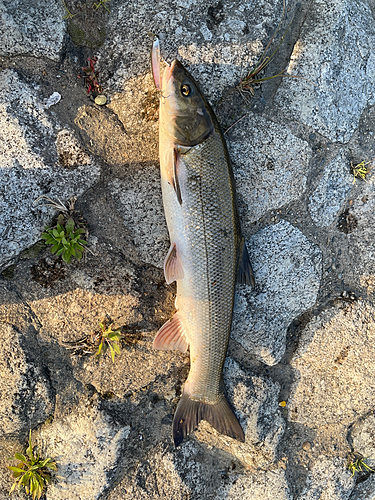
<point x="173" y="269"/>
<point x="190" y="412"/>
<point x="245" y="273"/>
<point x="171" y="336"/>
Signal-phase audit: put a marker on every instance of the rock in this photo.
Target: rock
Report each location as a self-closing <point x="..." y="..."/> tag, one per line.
<point x="228" y="41"/>
<point x="361" y="246"/>
<point x="138" y="363"/>
<point x="362" y="437"/>
<point x="270" y="166"/>
<point x="26" y="394"/>
<point x="287" y="270"/>
<point x="28" y="155"/>
<point x="255" y="401"/>
<point x="140" y="205"/>
<point x="334" y="51"/>
<point x="33" y="28"/>
<point x="333" y="188"/>
<point x="262" y="485"/>
<point x="331" y="386"/>
<point x="86" y="445"/>
<point x="364" y="490"/>
<point x="329" y="479"/>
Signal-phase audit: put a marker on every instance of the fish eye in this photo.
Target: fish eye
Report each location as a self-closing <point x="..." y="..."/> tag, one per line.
<point x="185" y="90"/>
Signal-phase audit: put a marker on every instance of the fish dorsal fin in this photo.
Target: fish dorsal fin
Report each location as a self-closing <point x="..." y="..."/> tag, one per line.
<point x="173" y="269"/>
<point x="245" y="274"/>
<point x="171" y="336"/>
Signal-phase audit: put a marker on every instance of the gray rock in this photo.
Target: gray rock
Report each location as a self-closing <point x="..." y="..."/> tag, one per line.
<point x="86" y="445"/>
<point x="33" y="28"/>
<point x="30" y="147"/>
<point x="140" y="205"/>
<point x="331" y="192"/>
<point x="332" y="387"/>
<point x="287" y="271"/>
<point x="262" y="485"/>
<point x="270" y="165"/>
<point x="361" y="245"/>
<point x="364" y="490"/>
<point x="255" y="400"/>
<point x="26" y="394"/>
<point x="363" y="438"/>
<point x="229" y="39"/>
<point x="329" y="479"/>
<point x="335" y="51"/>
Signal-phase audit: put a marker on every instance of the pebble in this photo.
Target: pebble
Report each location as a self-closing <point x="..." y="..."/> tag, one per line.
<point x="101" y="100"/>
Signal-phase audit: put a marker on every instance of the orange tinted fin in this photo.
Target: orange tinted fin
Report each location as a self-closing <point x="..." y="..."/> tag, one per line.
<point x="245" y="274"/>
<point x="171" y="336"/>
<point x="173" y="269"/>
<point x="189" y="413"/>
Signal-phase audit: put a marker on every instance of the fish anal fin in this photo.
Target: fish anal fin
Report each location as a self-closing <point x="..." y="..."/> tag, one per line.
<point x="173" y="269"/>
<point x="171" y="336"/>
<point x="190" y="412"/>
<point x="245" y="274"/>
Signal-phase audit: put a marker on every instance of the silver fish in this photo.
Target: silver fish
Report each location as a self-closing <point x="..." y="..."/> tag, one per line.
<point x="207" y="253"/>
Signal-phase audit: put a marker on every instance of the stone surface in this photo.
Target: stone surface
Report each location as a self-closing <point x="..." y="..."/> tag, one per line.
<point x="227" y="42"/>
<point x="287" y="270"/>
<point x="26" y="394"/>
<point x="328" y="480"/>
<point x="331" y="192"/>
<point x="86" y="445"/>
<point x="139" y="204"/>
<point x="364" y="490"/>
<point x="331" y="386"/>
<point x="270" y="165"/>
<point x="28" y="159"/>
<point x="263" y="485"/>
<point x="335" y="52"/>
<point x="32" y="28"/>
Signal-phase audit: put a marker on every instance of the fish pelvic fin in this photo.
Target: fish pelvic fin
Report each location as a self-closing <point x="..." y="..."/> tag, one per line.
<point x="245" y="273"/>
<point x="190" y="412"/>
<point x="171" y="336"/>
<point x="173" y="269"/>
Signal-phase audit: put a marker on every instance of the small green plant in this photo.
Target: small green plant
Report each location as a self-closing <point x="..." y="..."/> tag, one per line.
<point x="91" y="76"/>
<point x="108" y="339"/>
<point x="68" y="15"/>
<point x="101" y="3"/>
<point x="32" y="472"/>
<point x="360" y="170"/>
<point x="65" y="239"/>
<point x="357" y="464"/>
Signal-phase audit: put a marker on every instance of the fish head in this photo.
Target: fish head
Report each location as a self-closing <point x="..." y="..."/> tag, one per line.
<point x="184" y="112"/>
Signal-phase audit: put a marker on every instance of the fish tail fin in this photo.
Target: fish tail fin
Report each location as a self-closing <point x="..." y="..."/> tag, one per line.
<point x="190" y="412"/>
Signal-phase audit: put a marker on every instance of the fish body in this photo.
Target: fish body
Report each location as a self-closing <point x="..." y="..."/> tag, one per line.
<point x="207" y="252"/>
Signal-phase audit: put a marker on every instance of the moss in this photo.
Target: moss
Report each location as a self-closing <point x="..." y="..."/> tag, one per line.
<point x="86" y="36"/>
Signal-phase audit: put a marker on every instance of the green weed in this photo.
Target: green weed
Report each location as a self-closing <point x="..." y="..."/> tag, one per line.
<point x="360" y="170"/>
<point x="101" y="3"/>
<point x="65" y="239"/>
<point x="108" y="339"/>
<point x="356" y="465"/>
<point x="32" y="472"/>
<point x="68" y="15"/>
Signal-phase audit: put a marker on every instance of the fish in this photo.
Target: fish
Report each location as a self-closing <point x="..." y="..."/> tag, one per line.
<point x="207" y="253"/>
